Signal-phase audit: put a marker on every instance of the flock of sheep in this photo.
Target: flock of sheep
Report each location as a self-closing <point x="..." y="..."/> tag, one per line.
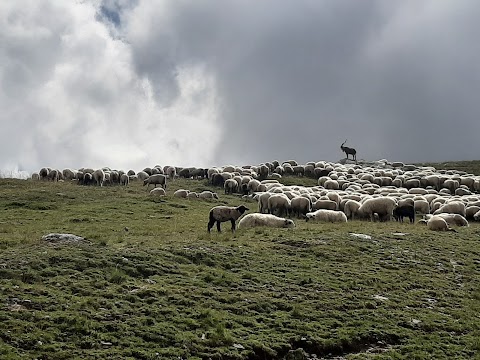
<point x="379" y="190"/>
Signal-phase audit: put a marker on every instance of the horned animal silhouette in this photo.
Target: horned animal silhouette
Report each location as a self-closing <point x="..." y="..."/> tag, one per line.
<point x="349" y="151"/>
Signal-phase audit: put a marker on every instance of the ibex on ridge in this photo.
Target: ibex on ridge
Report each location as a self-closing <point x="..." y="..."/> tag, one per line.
<point x="349" y="151"/>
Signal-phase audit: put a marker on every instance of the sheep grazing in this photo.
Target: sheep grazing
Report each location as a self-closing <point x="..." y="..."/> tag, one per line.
<point x="437" y="223"/>
<point x="300" y="206"/>
<point x="268" y="220"/>
<point x="171" y="172"/>
<point x="219" y="214"/>
<point x="405" y="210"/>
<point x="99" y="177"/>
<point x="382" y="206"/>
<point x="351" y="209"/>
<point x="279" y="204"/>
<point x="192" y="195"/>
<point x="157" y="179"/>
<point x="124" y="179"/>
<point x="324" y="215"/>
<point x="230" y="186"/>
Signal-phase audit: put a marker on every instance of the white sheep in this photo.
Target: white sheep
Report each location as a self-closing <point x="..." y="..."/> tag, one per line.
<point x="157" y="192"/>
<point x="263" y="201"/>
<point x="124" y="179"/>
<point x="268" y="220"/>
<point x="208" y="195"/>
<point x="324" y="204"/>
<point x="454" y="207"/>
<point x="181" y="193"/>
<point x="142" y="175"/>
<point x="437" y="223"/>
<point x="279" y="204"/>
<point x="421" y="206"/>
<point x="231" y="186"/>
<point x="324" y="215"/>
<point x="382" y="206"/>
<point x="171" y="172"/>
<point x="452" y="219"/>
<point x="157" y="179"/>
<point x="351" y="209"/>
<point x="300" y="206"/>
<point x="99" y="177"/>
<point x="471" y="211"/>
<point x="219" y="214"/>
<point x="192" y="195"/>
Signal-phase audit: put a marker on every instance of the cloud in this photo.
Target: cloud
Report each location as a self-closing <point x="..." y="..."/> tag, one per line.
<point x="71" y="96"/>
<point x="134" y="83"/>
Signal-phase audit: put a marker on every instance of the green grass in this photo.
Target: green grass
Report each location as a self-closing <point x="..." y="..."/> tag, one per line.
<point x="153" y="284"/>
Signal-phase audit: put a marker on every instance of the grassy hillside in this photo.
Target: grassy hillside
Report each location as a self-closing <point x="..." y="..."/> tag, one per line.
<point x="151" y="283"/>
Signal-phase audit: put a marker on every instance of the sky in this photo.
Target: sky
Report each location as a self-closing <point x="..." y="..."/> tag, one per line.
<point x="135" y="83"/>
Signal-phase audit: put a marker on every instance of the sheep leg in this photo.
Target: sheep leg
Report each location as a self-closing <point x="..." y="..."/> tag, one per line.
<point x="210" y="224"/>
<point x="218" y="226"/>
<point x="233" y="224"/>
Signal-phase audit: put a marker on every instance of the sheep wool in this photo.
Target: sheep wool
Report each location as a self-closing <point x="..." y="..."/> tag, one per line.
<point x="268" y="220"/>
<point x="324" y="215"/>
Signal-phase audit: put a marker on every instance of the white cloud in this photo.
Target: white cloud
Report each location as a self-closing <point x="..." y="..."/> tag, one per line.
<point x="71" y="96"/>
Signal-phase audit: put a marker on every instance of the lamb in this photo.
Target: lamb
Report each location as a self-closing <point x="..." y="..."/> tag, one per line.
<point x="181" y="193"/>
<point x="437" y="223"/>
<point x="269" y="220"/>
<point x="324" y="215"/>
<point x="219" y="214"/>
<point x="382" y="206"/>
<point x="300" y="206"/>
<point x="405" y="210"/>
<point x="208" y="195"/>
<point x="157" y="179"/>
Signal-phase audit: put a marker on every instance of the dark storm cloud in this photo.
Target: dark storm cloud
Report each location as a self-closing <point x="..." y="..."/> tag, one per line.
<point x="398" y="79"/>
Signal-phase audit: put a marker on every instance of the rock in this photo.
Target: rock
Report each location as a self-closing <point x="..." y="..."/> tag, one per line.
<point x="56" y="238"/>
<point x="361" y="236"/>
<point x="297" y="354"/>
